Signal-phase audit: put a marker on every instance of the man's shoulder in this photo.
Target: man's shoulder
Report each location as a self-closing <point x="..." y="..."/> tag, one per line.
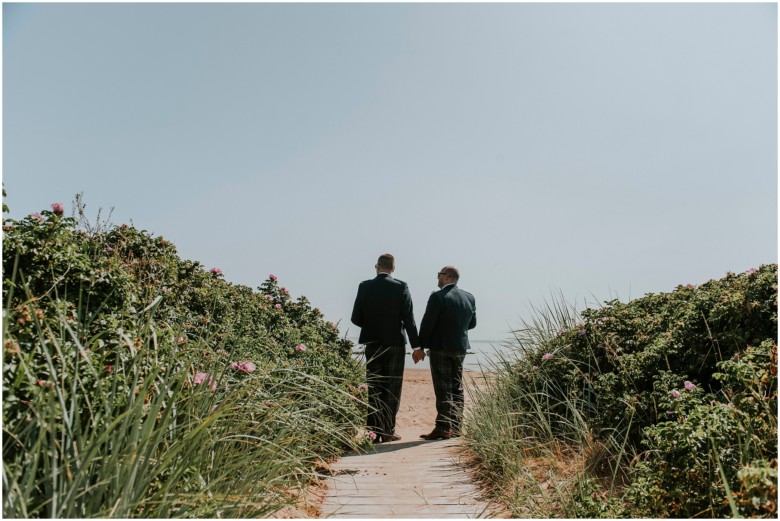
<point x="463" y="292"/>
<point x="383" y="281"/>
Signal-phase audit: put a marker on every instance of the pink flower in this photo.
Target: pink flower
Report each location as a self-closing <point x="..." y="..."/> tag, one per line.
<point x="690" y="286"/>
<point x="284" y="290"/>
<point x="278" y="306"/>
<point x="57" y="208"/>
<point x="300" y="348"/>
<point x="547" y="356"/>
<point x="244" y="367"/>
<point x="689" y="386"/>
<point x="372" y="435"/>
<point x="675" y="394"/>
<point x="215" y="271"/>
<point x="363" y="387"/>
<point x="268" y="297"/>
<point x="535" y="368"/>
<point x="38" y="216"/>
<point x="752" y="271"/>
<point x="205" y="378"/>
<point x="166" y="289"/>
<point x="272" y="277"/>
<point x="108" y="249"/>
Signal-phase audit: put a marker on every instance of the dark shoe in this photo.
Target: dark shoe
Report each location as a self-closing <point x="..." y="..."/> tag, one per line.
<point x="436" y="434"/>
<point x="391" y="437"/>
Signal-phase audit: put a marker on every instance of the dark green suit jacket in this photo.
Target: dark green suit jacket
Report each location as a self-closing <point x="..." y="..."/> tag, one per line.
<point x="449" y="315"/>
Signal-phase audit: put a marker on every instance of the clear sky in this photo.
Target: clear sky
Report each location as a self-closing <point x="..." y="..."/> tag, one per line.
<point x="594" y="150"/>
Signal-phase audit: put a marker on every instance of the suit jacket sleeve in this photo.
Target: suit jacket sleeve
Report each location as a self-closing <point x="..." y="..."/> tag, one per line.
<point x="357" y="310"/>
<point x="429" y="320"/>
<point x="408" y="317"/>
<point x="473" y="322"/>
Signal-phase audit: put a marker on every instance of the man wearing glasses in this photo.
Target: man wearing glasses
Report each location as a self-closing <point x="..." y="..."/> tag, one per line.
<point x="449" y="315"/>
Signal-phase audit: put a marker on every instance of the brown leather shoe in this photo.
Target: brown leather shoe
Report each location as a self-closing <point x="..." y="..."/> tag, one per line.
<point x="436" y="434"/>
<point x="391" y="437"/>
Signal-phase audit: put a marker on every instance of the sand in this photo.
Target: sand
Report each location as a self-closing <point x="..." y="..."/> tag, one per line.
<point x="417" y="412"/>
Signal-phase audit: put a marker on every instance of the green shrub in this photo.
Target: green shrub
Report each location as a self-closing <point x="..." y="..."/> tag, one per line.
<point x="138" y="384"/>
<point x="671" y="398"/>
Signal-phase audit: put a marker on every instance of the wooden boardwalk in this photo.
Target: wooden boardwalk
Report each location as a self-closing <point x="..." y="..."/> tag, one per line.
<point x="409" y="478"/>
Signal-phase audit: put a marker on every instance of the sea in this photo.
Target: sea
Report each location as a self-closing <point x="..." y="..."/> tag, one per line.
<point x="477" y="358"/>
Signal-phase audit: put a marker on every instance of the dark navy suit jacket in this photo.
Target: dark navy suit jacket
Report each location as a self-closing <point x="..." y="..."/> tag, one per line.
<point x="449" y="315"/>
<point x="383" y="310"/>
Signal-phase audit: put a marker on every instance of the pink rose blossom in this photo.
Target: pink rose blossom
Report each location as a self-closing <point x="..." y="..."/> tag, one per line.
<point x="272" y="277"/>
<point x="372" y="435"/>
<point x="166" y="289"/>
<point x="278" y="306"/>
<point x="675" y="393"/>
<point x="38" y="216"/>
<point x="205" y="378"/>
<point x="300" y="348"/>
<point x="535" y="368"/>
<point x="215" y="271"/>
<point x="57" y="208"/>
<point x="284" y="290"/>
<point x="689" y="386"/>
<point x="547" y="356"/>
<point x="269" y="297"/>
<point x="108" y="249"/>
<point x="244" y="367"/>
<point x="363" y="387"/>
<point x="752" y="271"/>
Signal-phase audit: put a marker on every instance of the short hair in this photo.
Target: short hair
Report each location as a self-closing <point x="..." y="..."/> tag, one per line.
<point x="451" y="271"/>
<point x="386" y="261"/>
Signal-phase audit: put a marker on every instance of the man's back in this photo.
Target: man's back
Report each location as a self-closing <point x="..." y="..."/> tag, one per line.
<point x="450" y="313"/>
<point x="382" y="310"/>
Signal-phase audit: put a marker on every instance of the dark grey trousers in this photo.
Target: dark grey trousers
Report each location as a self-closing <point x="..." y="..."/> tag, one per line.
<point x="447" y="375"/>
<point x="385" y="375"/>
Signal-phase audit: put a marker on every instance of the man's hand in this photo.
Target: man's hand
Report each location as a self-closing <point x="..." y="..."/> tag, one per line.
<point x="417" y="355"/>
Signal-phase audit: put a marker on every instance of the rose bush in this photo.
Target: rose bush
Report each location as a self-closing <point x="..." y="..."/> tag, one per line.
<point x="672" y="398"/>
<point x="110" y="338"/>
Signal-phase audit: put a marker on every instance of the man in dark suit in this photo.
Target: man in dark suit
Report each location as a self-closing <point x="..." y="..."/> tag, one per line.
<point x="450" y="313"/>
<point x="383" y="310"/>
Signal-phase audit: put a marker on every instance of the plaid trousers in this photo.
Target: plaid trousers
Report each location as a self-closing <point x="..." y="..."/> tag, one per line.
<point x="447" y="376"/>
<point x="385" y="375"/>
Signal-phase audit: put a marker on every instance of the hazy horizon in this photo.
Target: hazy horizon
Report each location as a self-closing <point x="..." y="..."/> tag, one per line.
<point x="591" y="151"/>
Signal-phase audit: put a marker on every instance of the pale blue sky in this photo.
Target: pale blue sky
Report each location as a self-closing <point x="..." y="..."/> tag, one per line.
<point x="597" y="150"/>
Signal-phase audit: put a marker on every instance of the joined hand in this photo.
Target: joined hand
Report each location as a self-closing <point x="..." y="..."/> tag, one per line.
<point x="417" y="355"/>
